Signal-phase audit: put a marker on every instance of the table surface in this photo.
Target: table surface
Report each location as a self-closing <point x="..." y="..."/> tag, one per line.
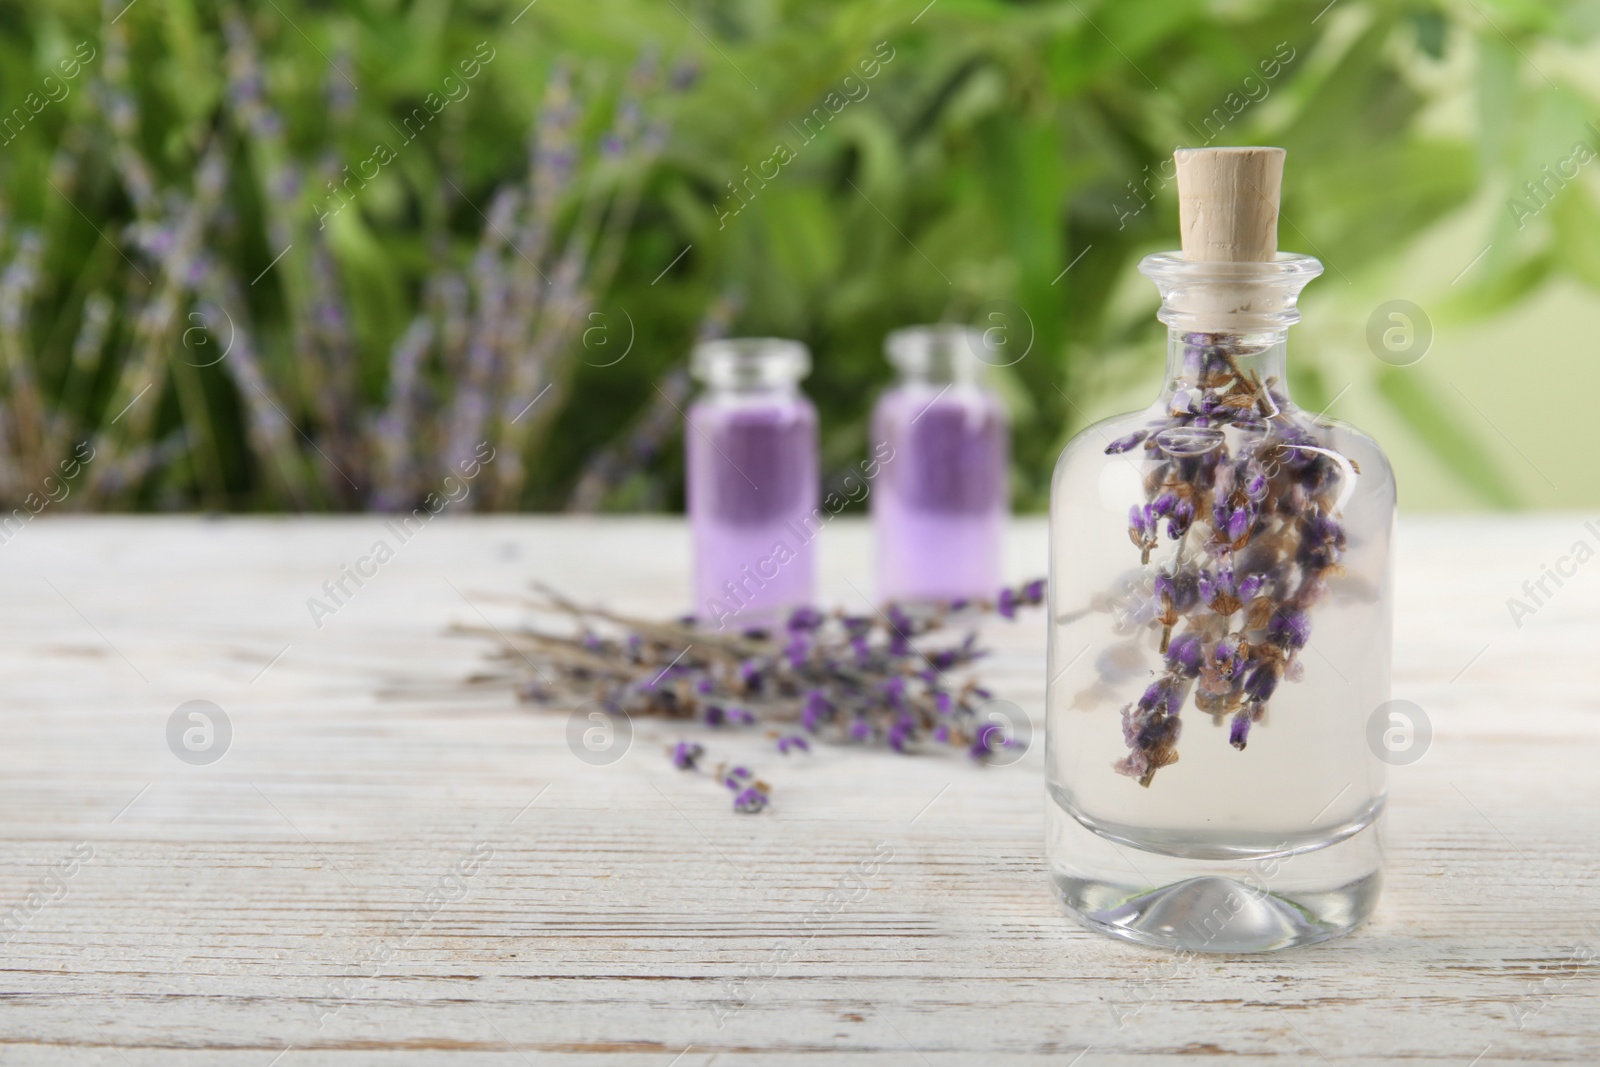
<point x="390" y="867"/>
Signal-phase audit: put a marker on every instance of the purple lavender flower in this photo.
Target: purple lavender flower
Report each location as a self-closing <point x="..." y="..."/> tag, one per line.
<point x="901" y="732"/>
<point x="989" y="738"/>
<point x="750" y="801"/>
<point x="1263" y="681"/>
<point x="1289" y="628"/>
<point x="805" y="619"/>
<point x="862" y="651"/>
<point x="686" y="755"/>
<point x="1255" y="482"/>
<point x="1142" y="523"/>
<point x="1239" y="732"/>
<point x="1123" y="444"/>
<point x="894" y="691"/>
<point x="1007" y="604"/>
<point x="793" y="741"/>
<point x="1184" y="654"/>
<point x="1181" y="519"/>
<point x="1180" y="591"/>
<point x="1228" y="656"/>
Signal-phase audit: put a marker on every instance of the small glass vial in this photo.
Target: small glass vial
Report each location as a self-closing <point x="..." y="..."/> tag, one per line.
<point x="751" y="443"/>
<point x="1219" y="590"/>
<point x="940" y="444"/>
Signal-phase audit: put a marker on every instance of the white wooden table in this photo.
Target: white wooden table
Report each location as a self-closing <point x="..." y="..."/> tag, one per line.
<point x="293" y="903"/>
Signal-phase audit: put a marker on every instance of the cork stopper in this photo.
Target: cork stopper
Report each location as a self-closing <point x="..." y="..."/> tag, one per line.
<point x="1228" y="203"/>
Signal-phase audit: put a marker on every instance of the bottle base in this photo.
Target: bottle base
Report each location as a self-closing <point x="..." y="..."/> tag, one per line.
<point x="1262" y="904"/>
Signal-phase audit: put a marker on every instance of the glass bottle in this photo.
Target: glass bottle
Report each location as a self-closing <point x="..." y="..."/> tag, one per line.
<point x="751" y="443"/>
<point x="940" y="441"/>
<point x="1246" y="627"/>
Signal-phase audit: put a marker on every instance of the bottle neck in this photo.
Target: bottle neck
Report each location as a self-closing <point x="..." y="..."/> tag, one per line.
<point x="1227" y="330"/>
<point x="940" y="373"/>
<point x="1208" y="373"/>
<point x="751" y="367"/>
<point x="937" y="355"/>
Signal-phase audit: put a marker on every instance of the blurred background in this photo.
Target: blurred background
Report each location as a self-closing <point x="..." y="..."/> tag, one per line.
<point x="299" y="255"/>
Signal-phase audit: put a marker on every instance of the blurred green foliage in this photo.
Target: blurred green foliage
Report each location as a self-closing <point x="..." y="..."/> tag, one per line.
<point x="999" y="159"/>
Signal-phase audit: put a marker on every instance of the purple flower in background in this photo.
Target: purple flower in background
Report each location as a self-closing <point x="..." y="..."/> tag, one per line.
<point x="894" y="691"/>
<point x="805" y="619"/>
<point x="815" y="710"/>
<point x="832" y="676"/>
<point x="750" y="801"/>
<point x="989" y="738"/>
<point x="901" y="732"/>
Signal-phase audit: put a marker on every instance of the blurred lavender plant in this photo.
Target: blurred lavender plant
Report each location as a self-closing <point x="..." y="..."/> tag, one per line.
<point x="879" y="679"/>
<point x="610" y="469"/>
<point x="473" y="368"/>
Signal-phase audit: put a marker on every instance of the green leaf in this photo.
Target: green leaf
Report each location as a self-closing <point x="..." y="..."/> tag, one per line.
<point x="1444" y="433"/>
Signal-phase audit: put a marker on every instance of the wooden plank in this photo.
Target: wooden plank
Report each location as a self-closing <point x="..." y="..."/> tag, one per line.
<point x="307" y="892"/>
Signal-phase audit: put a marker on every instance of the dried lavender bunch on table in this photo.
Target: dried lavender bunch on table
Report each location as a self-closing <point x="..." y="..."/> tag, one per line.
<point x="1251" y="498"/>
<point x="884" y="678"/>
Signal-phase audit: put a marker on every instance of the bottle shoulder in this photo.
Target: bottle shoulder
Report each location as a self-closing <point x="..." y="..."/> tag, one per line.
<point x="721" y="405"/>
<point x="1126" y="440"/>
<point x="912" y="400"/>
<point x="1097" y="442"/>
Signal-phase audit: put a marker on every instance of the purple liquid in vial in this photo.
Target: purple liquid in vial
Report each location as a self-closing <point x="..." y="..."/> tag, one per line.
<point x="940" y="501"/>
<point x="752" y="483"/>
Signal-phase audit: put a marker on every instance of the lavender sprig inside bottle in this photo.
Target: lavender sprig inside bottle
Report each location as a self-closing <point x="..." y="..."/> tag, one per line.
<point x="1249" y="497"/>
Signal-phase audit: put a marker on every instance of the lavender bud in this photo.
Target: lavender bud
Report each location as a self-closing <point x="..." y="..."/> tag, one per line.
<point x="1240" y="730"/>
<point x="1123" y="444"/>
<point x="1183" y="654"/>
